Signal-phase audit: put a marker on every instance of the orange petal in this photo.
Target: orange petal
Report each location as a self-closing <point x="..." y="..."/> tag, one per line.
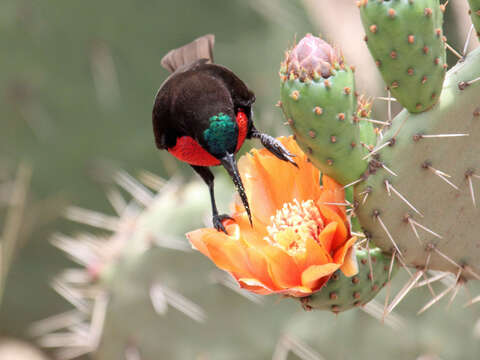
<point x="196" y="239"/>
<point x="307" y="180"/>
<point x="329" y="216"/>
<point x="227" y="253"/>
<point x="258" y="267"/>
<point x="257" y="187"/>
<point x="292" y="146"/>
<point x="350" y="264"/>
<point x="312" y="275"/>
<point x="301" y="183"/>
<point x="307" y="183"/>
<point x="283" y="269"/>
<point x="316" y="254"/>
<point x="255" y="286"/>
<point x="297" y="291"/>
<point x="333" y="192"/>
<point x="229" y="256"/>
<point x="333" y="188"/>
<point x="327" y="236"/>
<point x="280" y="186"/>
<point x="261" y="169"/>
<point x="252" y="235"/>
<point x="329" y="197"/>
<point x="340" y="254"/>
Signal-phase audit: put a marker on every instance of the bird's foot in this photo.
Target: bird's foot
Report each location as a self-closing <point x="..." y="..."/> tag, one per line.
<point x="276" y="147"/>
<point x="217" y="222"/>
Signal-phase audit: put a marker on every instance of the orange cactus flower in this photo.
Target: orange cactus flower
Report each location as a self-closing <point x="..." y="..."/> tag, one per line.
<point x="300" y="236"/>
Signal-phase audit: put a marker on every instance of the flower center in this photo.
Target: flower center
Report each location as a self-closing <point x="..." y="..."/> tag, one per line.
<point x="293" y="224"/>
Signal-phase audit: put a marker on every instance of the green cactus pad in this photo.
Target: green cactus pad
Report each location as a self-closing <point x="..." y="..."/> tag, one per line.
<point x="321" y="114"/>
<point x="435" y="155"/>
<point x="406" y="41"/>
<point x="343" y="293"/>
<point x="475" y="14"/>
<point x="368" y="136"/>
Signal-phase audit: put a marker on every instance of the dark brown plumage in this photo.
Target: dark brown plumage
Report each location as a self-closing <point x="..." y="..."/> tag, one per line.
<point x="199" y="106"/>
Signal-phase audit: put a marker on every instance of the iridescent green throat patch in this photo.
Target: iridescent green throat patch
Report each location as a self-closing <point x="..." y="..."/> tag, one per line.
<point x="221" y="136"/>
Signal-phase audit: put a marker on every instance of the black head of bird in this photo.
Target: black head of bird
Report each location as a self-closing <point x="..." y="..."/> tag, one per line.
<point x="203" y="114"/>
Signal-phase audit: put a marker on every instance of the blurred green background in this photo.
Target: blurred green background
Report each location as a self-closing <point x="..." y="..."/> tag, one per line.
<point x="77" y="85"/>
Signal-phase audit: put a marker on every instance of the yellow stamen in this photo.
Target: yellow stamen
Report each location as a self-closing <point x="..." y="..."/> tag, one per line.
<point x="293" y="224"/>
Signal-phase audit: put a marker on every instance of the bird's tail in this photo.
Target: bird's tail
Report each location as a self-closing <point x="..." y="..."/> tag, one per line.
<point x="201" y="48"/>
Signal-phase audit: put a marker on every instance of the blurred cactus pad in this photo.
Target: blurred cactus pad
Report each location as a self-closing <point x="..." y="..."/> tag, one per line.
<point x="142" y="293"/>
<point x="123" y="282"/>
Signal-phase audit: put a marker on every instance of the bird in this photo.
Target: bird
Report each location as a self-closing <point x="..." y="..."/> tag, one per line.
<point x="202" y="115"/>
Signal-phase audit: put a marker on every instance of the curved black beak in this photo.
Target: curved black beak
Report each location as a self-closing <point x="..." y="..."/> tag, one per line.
<point x="229" y="163"/>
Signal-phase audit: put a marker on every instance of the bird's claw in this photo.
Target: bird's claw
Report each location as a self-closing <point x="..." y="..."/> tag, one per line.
<point x="277" y="149"/>
<point x="217" y="222"/>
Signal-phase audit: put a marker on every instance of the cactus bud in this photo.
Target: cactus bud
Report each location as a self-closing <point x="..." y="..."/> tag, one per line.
<point x="323" y="88"/>
<point x="312" y="55"/>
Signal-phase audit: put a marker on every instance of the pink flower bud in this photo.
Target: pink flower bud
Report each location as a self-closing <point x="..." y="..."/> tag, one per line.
<point x="311" y="56"/>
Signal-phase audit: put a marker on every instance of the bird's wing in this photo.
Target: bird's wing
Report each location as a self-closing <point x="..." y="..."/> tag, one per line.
<point x="184" y="105"/>
<point x="241" y="95"/>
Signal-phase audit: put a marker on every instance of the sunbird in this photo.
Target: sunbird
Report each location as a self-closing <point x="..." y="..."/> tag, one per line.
<point x="202" y="115"/>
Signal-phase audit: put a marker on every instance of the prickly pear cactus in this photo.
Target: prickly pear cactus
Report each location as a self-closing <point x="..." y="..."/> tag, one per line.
<point x="342" y="293"/>
<point x="319" y="101"/>
<point x="406" y="41"/>
<point x="417" y="196"/>
<point x="368" y="136"/>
